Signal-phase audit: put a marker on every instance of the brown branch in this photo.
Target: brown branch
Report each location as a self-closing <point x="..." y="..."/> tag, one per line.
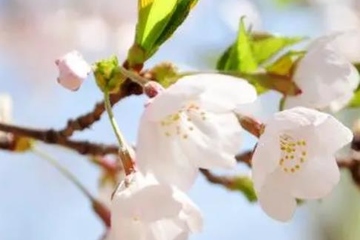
<point x="245" y="157"/>
<point x="51" y="137"/>
<point x="215" y="179"/>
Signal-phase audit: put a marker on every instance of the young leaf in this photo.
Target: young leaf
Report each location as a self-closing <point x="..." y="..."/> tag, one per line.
<point x="222" y="62"/>
<point x="157" y="21"/>
<point x="267" y="47"/>
<point x="153" y="16"/>
<point x="241" y="56"/>
<point x="179" y="15"/>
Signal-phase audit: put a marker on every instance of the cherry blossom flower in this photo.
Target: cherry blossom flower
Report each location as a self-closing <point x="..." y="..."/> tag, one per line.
<point x="191" y="125"/>
<point x="73" y="70"/>
<point x="294" y="159"/>
<point x="143" y="209"/>
<point x="327" y="79"/>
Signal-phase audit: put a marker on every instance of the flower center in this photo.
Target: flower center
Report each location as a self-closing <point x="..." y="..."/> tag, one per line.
<point x="293" y="153"/>
<point x="181" y="123"/>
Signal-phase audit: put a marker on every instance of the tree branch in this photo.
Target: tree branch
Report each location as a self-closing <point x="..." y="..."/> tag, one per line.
<point x="215" y="179"/>
<point x="51" y="137"/>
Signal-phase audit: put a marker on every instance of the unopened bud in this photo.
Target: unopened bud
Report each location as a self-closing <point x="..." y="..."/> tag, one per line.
<point x="73" y="70"/>
<point x="251" y="125"/>
<point x="108" y="75"/>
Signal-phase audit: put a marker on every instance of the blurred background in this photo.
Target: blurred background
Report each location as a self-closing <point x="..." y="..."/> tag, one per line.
<point x="37" y="203"/>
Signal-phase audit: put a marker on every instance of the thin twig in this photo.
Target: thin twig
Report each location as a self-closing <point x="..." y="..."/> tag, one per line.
<point x="215" y="179"/>
<point x="51" y="137"/>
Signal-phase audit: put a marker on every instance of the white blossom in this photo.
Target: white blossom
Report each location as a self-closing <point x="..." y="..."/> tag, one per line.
<point x="327" y="80"/>
<point x="191" y="125"/>
<point x="143" y="209"/>
<point x="73" y="70"/>
<point x="294" y="159"/>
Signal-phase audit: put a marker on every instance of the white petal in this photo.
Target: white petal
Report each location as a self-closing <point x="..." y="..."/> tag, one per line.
<point x="275" y="199"/>
<point x="340" y="103"/>
<point x="162" y="156"/>
<point x="144" y="203"/>
<point x="293" y="118"/>
<point x="317" y="179"/>
<point x="217" y="93"/>
<point x="213" y="142"/>
<point x="265" y="159"/>
<point x="171" y="100"/>
<point x="124" y="228"/>
<point x="166" y="229"/>
<point x="190" y="213"/>
<point x="332" y="135"/>
<point x="222" y="92"/>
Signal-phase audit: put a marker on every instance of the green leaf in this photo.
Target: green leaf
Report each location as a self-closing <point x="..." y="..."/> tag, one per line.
<point x="222" y="62"/>
<point x="178" y="17"/>
<point x="157" y="21"/>
<point x="267" y="47"/>
<point x="355" y="101"/>
<point x="241" y="57"/>
<point x="153" y="18"/>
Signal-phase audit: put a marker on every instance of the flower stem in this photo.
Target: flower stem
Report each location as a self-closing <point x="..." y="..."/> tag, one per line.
<point x="114" y="125"/>
<point x="125" y="157"/>
<point x="133" y="76"/>
<point x="65" y="172"/>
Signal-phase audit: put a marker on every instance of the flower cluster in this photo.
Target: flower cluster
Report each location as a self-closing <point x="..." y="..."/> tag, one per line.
<point x="193" y="124"/>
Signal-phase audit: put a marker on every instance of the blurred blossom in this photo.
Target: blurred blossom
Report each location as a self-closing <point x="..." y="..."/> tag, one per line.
<point x="125" y="37"/>
<point x="232" y="10"/>
<point x="92" y="34"/>
<point x="341" y="17"/>
<point x="329" y="2"/>
<point x="59" y="24"/>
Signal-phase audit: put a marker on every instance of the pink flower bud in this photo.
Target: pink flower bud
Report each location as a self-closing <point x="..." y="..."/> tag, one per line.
<point x="151" y="89"/>
<point x="73" y="70"/>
